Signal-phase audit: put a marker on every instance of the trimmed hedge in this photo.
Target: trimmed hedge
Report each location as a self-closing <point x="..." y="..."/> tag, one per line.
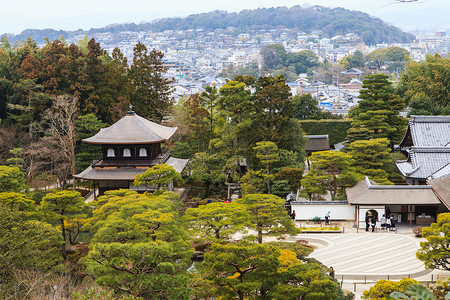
<point x="336" y="129"/>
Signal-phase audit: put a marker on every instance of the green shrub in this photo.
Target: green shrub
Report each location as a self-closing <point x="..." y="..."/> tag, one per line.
<point x="336" y="129"/>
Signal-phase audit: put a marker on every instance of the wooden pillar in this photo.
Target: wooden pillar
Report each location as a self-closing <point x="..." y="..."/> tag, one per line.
<point x="410" y="215"/>
<point x="357" y="218"/>
<point x="95" y="196"/>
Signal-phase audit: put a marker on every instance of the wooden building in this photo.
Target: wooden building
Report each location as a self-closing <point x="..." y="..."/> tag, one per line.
<point x="130" y="146"/>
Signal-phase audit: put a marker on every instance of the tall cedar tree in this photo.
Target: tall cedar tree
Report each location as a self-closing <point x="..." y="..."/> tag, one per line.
<point x="378" y="110"/>
<point x="119" y="87"/>
<point x="95" y="72"/>
<point x="151" y="90"/>
<point x="197" y="118"/>
<point x="234" y="104"/>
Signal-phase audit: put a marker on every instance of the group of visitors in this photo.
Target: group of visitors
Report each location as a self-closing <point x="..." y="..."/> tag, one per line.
<point x="387" y="223"/>
<point x="371" y="221"/>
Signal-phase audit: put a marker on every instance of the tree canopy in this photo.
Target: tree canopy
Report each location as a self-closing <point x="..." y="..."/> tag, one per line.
<point x="425" y="86"/>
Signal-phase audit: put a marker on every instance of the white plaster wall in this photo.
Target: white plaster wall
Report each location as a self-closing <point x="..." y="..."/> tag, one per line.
<point x="362" y="214"/>
<point x="338" y="212"/>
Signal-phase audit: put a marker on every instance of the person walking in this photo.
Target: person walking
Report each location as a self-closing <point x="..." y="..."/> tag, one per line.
<point x="327" y="218"/>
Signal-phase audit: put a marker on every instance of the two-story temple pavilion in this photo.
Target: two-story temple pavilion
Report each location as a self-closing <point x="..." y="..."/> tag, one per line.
<point x="129" y="147"/>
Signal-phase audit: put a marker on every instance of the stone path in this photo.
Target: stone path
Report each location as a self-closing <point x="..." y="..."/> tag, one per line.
<point x="367" y="255"/>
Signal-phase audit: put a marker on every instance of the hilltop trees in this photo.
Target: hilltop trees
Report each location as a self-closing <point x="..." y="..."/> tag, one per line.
<point x="275" y="57"/>
<point x="393" y="56"/>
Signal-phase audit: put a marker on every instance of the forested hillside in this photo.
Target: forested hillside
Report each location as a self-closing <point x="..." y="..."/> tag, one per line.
<point x="330" y="21"/>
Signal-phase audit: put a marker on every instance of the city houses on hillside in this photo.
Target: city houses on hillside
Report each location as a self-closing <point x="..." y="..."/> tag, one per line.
<point x="130" y="146"/>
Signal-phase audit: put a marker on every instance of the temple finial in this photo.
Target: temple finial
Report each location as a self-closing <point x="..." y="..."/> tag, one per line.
<point x="130" y="112"/>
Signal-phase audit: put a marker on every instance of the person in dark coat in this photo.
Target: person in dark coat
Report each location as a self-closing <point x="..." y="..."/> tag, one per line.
<point x="373" y="223"/>
<point x="367" y="222"/>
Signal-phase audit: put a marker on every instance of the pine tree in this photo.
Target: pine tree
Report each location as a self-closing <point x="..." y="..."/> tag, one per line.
<point x="377" y="111"/>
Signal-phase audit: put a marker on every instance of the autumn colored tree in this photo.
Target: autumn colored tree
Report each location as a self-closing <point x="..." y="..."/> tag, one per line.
<point x="62" y="69"/>
<point x="384" y="288"/>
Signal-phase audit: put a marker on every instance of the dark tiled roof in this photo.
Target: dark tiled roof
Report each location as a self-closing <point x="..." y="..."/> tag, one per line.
<point x="424" y="162"/>
<point x="132" y="129"/>
<point x="429" y="131"/>
<point x="317" y="143"/>
<point x="427" y="142"/>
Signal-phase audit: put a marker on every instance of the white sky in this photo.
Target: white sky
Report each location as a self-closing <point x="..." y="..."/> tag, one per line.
<point x="17" y="15"/>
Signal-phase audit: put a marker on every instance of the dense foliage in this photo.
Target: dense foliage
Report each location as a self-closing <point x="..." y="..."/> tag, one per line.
<point x="425" y="86"/>
<point x="434" y="252"/>
<point x="54" y="96"/>
<point x="336" y="129"/>
<point x="377" y="113"/>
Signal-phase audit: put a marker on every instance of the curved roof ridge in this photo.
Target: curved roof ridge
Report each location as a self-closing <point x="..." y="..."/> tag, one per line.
<point x="132" y="129"/>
